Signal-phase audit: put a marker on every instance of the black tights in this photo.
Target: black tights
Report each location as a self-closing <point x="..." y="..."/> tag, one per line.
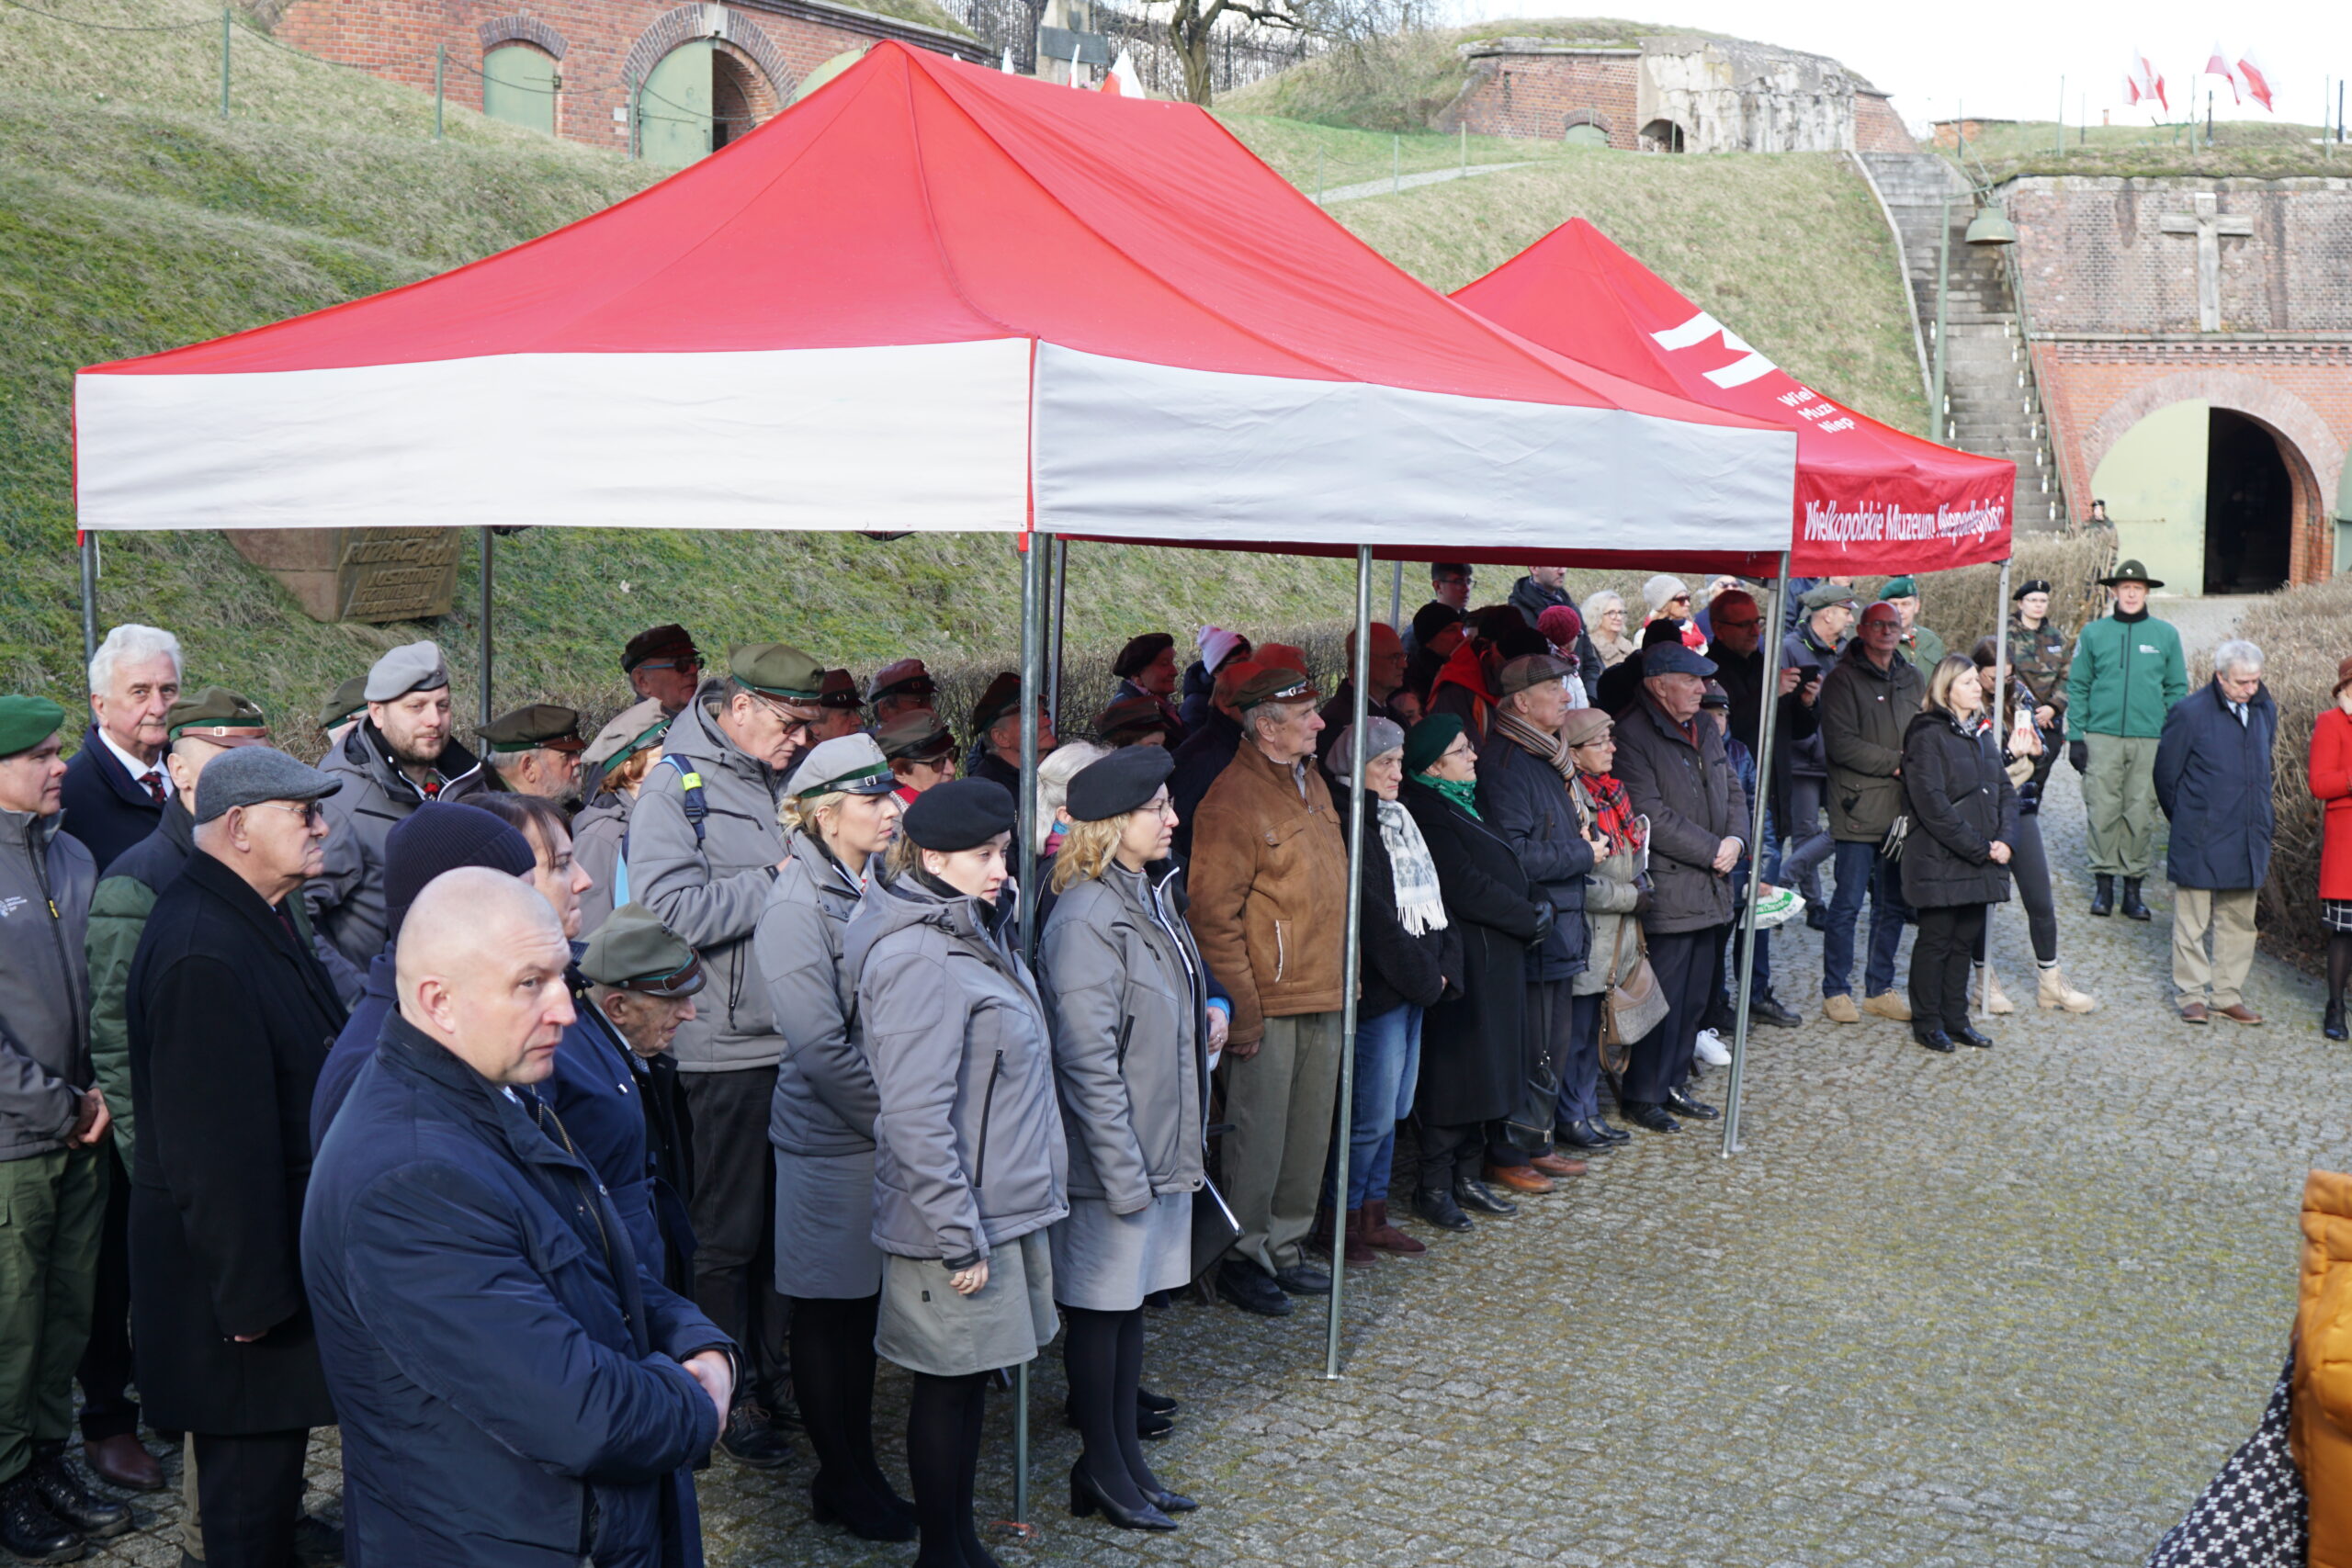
<point x="1102" y="1353"/>
<point x="832" y="1374"/>
<point x="2339" y="962"/>
<point x="942" y="1461"/>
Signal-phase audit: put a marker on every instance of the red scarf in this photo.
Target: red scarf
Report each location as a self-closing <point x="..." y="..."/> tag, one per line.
<point x="1465" y="671"/>
<point x="1612" y="807"/>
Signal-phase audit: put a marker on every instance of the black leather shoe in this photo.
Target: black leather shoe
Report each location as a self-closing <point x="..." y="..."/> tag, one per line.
<point x="1580" y="1136"/>
<point x="1816" y="915"/>
<point x="318" y="1544"/>
<point x="1299" y="1280"/>
<point x="28" y="1530"/>
<point x="1768" y="1010"/>
<point x="1698" y="1110"/>
<point x="2333" y="1024"/>
<point x="1968" y="1036"/>
<point x="2103" y="894"/>
<point x="1641" y="1113"/>
<point x="1252" y="1289"/>
<point x="2133" y="909"/>
<point x="1933" y="1039"/>
<point x="868" y="1516"/>
<point x="1481" y="1199"/>
<point x="1158" y="1404"/>
<point x="62" y="1493"/>
<point x="1170" y="1502"/>
<point x="752" y="1439"/>
<point x="1439" y="1209"/>
<point x="1085" y="1498"/>
<point x="1613" y="1133"/>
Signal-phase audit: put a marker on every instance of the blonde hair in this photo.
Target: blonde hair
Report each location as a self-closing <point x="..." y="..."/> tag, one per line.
<point x="1087" y="850"/>
<point x="630" y="773"/>
<point x="802" y="813"/>
<point x="903" y="857"/>
<point x="1949" y="668"/>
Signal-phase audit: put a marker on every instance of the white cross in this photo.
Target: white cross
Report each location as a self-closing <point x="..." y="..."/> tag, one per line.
<point x="2210" y="228"/>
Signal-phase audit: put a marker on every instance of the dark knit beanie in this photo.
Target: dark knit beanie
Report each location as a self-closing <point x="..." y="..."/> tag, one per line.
<point x="441" y="836"/>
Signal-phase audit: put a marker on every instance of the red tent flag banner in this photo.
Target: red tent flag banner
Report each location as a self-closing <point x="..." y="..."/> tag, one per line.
<point x="1868" y="498"/>
<point x="932" y="296"/>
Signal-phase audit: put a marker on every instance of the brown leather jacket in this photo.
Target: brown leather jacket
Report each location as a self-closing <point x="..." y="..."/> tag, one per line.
<point x="1269" y="882"/>
<point x="2321" y="1426"/>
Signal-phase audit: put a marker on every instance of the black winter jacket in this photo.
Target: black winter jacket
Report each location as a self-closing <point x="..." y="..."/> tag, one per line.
<point x="1687" y="790"/>
<point x="1959" y="798"/>
<point x="1398" y="967"/>
<point x="1524" y="798"/>
<point x="1473" y="1048"/>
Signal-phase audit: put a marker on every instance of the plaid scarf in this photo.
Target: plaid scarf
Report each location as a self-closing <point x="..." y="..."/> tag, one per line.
<point x="1612" y="807"/>
<point x="1534" y="742"/>
<point x="1420" y="907"/>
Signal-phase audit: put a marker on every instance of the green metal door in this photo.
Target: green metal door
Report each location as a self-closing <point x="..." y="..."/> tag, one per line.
<point x="674" y="108"/>
<point x="518" y="86"/>
<point x="2154" y="483"/>
<point x="1586" y="136"/>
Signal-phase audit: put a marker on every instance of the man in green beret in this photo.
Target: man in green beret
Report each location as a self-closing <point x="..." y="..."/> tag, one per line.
<point x="535" y="750"/>
<point x="1923" y="647"/>
<point x="703" y="848"/>
<point x="642" y="980"/>
<point x="54" y="1123"/>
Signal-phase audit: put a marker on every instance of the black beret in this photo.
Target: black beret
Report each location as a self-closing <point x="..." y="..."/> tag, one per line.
<point x="1432" y="618"/>
<point x="1118" y="784"/>
<point x="2031" y="585"/>
<point x="959" y="815"/>
<point x="1136" y="657"/>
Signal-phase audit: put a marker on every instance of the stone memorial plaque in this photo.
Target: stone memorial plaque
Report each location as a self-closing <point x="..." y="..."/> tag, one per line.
<point x="358" y="574"/>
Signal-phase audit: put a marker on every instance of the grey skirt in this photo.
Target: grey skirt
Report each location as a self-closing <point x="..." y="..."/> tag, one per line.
<point x="1107" y="1262"/>
<point x="926" y="1327"/>
<point x="824" y="1226"/>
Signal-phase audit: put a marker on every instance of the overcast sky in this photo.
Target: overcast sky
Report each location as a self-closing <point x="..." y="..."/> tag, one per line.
<point x="2004" y="56"/>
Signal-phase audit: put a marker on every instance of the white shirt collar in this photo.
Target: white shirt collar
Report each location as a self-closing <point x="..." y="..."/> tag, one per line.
<point x="136" y="768"/>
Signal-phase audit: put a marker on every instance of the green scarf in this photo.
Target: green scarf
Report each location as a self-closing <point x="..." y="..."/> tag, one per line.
<point x="1462" y="791"/>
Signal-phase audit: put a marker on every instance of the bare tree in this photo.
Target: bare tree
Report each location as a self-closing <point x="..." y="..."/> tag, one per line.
<point x="1193" y="26"/>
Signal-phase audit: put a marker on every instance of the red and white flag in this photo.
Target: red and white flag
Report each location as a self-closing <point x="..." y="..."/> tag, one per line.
<point x="1122" y="82"/>
<point x="2255" y="79"/>
<point x="2140" y="82"/>
<point x="2218" y="64"/>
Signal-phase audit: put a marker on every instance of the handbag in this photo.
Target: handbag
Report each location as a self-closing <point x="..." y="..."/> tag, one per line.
<point x="1633" y="1004"/>
<point x="1215" y="1230"/>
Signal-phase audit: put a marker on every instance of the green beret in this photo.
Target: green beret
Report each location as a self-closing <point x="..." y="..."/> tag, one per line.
<point x="1899" y="588"/>
<point x="777" y="669"/>
<point x="529" y="728"/>
<point x="234" y="720"/>
<point x="26" y="722"/>
<point x="633" y="951"/>
<point x="1427" y="741"/>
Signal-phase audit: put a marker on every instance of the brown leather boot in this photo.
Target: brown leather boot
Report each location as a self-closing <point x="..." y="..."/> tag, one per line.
<point x="1382" y="1236"/>
<point x="1360" y="1254"/>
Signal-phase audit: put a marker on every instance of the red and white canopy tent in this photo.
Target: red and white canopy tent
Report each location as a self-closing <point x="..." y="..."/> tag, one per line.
<point x="933" y="298"/>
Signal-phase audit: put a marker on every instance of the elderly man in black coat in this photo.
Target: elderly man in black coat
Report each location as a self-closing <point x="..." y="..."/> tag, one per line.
<point x="517" y="1390"/>
<point x="230" y="1017"/>
<point x="2213" y="780"/>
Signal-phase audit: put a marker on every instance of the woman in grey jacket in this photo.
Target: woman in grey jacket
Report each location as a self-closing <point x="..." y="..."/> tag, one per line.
<point x="969" y="1164"/>
<point x="839" y="804"/>
<point x="1612" y="893"/>
<point x="1129" y="1001"/>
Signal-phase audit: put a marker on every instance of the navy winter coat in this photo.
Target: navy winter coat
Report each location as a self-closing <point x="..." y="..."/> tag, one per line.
<point x="1525" y="800"/>
<point x="2213" y="780"/>
<point x="507" y="1376"/>
<point x="105" y="809"/>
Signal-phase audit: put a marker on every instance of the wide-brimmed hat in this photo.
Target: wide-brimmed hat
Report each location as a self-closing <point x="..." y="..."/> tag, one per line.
<point x="2130" y="571"/>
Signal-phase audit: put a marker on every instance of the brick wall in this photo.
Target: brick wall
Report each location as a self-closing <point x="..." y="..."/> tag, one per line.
<point x="1877" y="127"/>
<point x="1540" y="95"/>
<point x="597" y="44"/>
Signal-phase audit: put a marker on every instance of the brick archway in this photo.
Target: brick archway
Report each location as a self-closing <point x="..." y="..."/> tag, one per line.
<point x="520" y="28"/>
<point x="2304" y="441"/>
<point x="686" y="23"/>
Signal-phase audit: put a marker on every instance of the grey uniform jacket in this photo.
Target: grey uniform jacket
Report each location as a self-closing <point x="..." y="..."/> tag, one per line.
<point x="712" y="892"/>
<point x="1123" y="983"/>
<point x="46" y="881"/>
<point x="346" y="900"/>
<point x="597" y="835"/>
<point x="968" y="1147"/>
<point x="824" y="1100"/>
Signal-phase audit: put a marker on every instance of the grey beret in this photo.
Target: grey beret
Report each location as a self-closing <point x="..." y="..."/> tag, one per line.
<point x="251" y="774"/>
<point x="412" y="666"/>
<point x="1381" y="736"/>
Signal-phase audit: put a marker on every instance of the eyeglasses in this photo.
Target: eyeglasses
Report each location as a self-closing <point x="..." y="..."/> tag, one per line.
<point x="310" y="811"/>
<point x="793" y="723"/>
<point x="1721" y="625"/>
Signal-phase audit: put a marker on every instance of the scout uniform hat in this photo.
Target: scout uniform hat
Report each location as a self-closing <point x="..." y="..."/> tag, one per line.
<point x="633" y="951"/>
<point x="671" y="642"/>
<point x="2129" y="571"/>
<point x="529" y="728"/>
<point x="348" y="699"/>
<point x="777" y="669"/>
<point x="1275" y="684"/>
<point x="628" y="732"/>
<point x="906" y="678"/>
<point x="218" y="716"/>
<point x="1003" y="696"/>
<point x="840" y="691"/>
<point x="1130" y="716"/>
<point x="847" y="764"/>
<point x="918" y="736"/>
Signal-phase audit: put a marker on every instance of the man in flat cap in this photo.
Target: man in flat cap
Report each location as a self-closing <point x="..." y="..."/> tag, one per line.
<point x="996" y="719"/>
<point x="210" y="724"/>
<point x="399" y="756"/>
<point x="115" y="785"/>
<point x="230" y="1017"/>
<point x="1269" y="884"/>
<point x="901" y="688"/>
<point x="535" y="750"/>
<point x="919" y="749"/>
<point x="841" y="710"/>
<point x="703" y="848"/>
<point x="1147" y="669"/>
<point x="1133" y="720"/>
<point x="1867" y="700"/>
<point x="663" y="665"/>
<point x="642" y="981"/>
<point x="54" y="1123"/>
<point x="1923" y="647"/>
<point x="1523" y="795"/>
<point x="2127" y="674"/>
<point x="612" y="770"/>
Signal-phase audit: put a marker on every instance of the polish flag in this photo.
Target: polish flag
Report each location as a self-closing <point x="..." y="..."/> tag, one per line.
<point x="1123" y="82"/>
<point x="2256" y="80"/>
<point x="2218" y="64"/>
<point x="2152" y="83"/>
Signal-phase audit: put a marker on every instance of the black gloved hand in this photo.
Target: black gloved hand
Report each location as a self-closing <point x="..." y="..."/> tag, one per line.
<point x="2079" y="753"/>
<point x="1546" y="914"/>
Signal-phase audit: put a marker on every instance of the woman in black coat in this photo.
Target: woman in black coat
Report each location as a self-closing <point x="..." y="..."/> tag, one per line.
<point x="1473" y="1046"/>
<point x="1411" y="955"/>
<point x="1955" y="858"/>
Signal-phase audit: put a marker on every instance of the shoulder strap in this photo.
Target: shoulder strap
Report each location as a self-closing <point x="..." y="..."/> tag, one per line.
<point x="698" y="802"/>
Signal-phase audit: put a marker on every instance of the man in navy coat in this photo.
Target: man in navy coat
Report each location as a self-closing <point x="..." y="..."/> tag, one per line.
<point x="117" y="783"/>
<point x="2212" y="778"/>
<point x="515" y="1388"/>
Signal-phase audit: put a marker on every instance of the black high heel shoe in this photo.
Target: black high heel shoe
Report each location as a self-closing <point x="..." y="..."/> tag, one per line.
<point x="1170" y="1502"/>
<point x="869" y="1518"/>
<point x="1086" y="1498"/>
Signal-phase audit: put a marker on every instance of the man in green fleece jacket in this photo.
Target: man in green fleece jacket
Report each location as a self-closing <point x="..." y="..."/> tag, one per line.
<point x="2128" y="672"/>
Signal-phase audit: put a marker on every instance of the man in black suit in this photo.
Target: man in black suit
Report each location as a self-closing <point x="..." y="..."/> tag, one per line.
<point x="117" y="783"/>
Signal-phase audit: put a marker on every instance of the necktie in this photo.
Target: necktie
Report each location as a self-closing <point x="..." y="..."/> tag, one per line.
<point x="153" y="780"/>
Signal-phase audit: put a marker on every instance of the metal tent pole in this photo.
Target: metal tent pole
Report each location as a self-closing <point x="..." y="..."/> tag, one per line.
<point x="1396" y="597"/>
<point x="1765" y="725"/>
<point x="1054" y="632"/>
<point x="2000" y="699"/>
<point x="1033" y="552"/>
<point x="89" y="546"/>
<point x="486" y="563"/>
<point x="1350" y="960"/>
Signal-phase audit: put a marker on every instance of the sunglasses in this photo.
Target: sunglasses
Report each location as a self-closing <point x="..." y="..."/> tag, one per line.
<point x="691" y="666"/>
<point x="310" y="811"/>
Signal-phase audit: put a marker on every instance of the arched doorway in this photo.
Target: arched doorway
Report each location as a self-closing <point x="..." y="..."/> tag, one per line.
<point x="1661" y="136"/>
<point x="702" y="96"/>
<point x="2249" y="507"/>
<point x="518" y="86"/>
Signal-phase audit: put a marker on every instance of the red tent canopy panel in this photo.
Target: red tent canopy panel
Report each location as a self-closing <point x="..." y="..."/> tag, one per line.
<point x="1868" y="498"/>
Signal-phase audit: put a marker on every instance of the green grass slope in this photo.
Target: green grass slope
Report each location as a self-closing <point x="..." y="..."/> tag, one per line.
<point x="2244" y="149"/>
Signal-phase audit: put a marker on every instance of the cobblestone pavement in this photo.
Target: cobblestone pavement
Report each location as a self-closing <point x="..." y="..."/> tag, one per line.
<point x="2010" y="1308"/>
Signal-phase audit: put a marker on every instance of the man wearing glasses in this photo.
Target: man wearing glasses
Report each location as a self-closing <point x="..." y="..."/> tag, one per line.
<point x="663" y="666"/>
<point x="1449" y="591"/>
<point x="703" y="848"/>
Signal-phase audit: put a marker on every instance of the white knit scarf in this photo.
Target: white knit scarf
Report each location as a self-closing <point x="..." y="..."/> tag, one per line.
<point x="1420" y="905"/>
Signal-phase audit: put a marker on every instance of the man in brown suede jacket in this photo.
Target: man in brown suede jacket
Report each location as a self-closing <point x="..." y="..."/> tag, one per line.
<point x="1269" y="885"/>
